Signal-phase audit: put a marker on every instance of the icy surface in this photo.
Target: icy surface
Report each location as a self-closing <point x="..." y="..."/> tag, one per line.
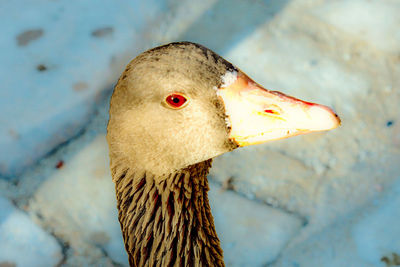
<point x="343" y="184"/>
<point x="79" y="202"/>
<point x="58" y="59"/>
<point x="22" y="242"/>
<point x="251" y="234"/>
<point x="377" y="233"/>
<point x="368" y="238"/>
<point x="319" y="176"/>
<point x="369" y="21"/>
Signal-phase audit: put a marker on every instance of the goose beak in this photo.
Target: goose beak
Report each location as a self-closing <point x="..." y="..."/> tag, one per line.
<point x="256" y="115"/>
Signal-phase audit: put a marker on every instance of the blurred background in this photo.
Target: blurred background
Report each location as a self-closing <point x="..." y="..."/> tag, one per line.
<point x="327" y="199"/>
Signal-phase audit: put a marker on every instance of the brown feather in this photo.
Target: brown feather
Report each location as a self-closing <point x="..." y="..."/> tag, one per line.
<point x="168" y="222"/>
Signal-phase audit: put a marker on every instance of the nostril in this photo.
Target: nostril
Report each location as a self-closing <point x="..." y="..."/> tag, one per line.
<point x="270" y="111"/>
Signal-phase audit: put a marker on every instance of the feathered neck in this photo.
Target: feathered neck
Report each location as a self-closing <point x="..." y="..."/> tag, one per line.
<point x="168" y="222"/>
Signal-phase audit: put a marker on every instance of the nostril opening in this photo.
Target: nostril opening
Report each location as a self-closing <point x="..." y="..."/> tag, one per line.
<point x="270" y="111"/>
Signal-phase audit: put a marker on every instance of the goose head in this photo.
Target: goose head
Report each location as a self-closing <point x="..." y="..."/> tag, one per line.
<point x="180" y="104"/>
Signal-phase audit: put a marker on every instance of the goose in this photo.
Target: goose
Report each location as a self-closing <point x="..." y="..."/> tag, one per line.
<point x="174" y="108"/>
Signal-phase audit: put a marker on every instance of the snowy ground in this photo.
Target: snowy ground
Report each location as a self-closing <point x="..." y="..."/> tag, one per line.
<point x="330" y="199"/>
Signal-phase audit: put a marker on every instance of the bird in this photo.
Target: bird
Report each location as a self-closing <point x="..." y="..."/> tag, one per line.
<point x="174" y="108"/>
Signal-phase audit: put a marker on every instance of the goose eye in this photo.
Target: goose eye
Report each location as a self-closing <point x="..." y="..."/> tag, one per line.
<point x="176" y="100"/>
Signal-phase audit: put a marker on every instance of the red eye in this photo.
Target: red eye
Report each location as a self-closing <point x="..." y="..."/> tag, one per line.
<point x="176" y="100"/>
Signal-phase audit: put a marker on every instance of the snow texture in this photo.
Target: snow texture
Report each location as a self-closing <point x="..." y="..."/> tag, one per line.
<point x="56" y="61"/>
<point x="79" y="202"/>
<point x="248" y="235"/>
<point x="327" y="199"/>
<point x="22" y="242"/>
<point x="368" y="238"/>
<point x="246" y="232"/>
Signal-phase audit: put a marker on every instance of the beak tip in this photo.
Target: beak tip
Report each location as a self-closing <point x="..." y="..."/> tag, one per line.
<point x="325" y="118"/>
<point x="339" y="121"/>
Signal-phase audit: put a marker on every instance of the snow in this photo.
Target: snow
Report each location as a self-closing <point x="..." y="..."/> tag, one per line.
<point x="377" y="232"/>
<point x="371" y="21"/>
<point x="59" y="59"/>
<point x="85" y="181"/>
<point x="361" y="239"/>
<point x="22" y="242"/>
<point x="63" y="200"/>
<point x="251" y="234"/>
<point x="329" y="199"/>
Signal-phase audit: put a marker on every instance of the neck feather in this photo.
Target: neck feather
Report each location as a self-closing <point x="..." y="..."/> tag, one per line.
<point x="168" y="222"/>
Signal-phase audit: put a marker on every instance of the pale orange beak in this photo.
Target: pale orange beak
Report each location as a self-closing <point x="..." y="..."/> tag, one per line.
<point x="257" y="115"/>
